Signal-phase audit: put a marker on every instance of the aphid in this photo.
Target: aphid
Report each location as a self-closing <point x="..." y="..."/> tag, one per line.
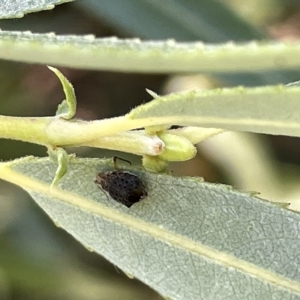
<point x="122" y="186"/>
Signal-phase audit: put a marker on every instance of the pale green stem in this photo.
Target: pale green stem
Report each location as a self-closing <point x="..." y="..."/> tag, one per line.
<point x="25" y="129"/>
<point x="107" y="133"/>
<point x="59" y="132"/>
<point x="136" y="142"/>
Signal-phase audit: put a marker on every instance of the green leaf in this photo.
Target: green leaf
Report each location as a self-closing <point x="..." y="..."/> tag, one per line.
<point x="272" y="110"/>
<point x="133" y="55"/>
<point x="18" y="8"/>
<point x="188" y="239"/>
<point x="59" y="156"/>
<point x="269" y="109"/>
<point x="67" y="108"/>
<point x="210" y="21"/>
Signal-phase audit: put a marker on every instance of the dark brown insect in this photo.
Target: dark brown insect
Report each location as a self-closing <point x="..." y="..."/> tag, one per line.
<point x="122" y="186"/>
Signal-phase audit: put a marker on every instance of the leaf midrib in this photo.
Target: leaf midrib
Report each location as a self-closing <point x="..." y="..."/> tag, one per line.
<point x="157" y="232"/>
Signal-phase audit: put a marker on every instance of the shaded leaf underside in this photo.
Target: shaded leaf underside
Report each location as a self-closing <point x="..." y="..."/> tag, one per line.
<point x="18" y="8"/>
<point x="269" y="109"/>
<point x="188" y="239"/>
<point x="134" y="55"/>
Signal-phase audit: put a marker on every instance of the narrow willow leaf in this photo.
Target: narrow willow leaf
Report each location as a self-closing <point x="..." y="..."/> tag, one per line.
<point x="270" y="109"/>
<point x="188" y="239"/>
<point x="59" y="156"/>
<point x="67" y="108"/>
<point x="133" y="55"/>
<point x="186" y="20"/>
<point x="18" y="8"/>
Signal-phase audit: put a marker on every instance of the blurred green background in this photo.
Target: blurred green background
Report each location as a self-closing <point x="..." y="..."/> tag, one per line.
<point x="39" y="260"/>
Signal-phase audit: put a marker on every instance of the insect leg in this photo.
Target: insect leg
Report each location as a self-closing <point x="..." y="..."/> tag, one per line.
<point x="115" y="161"/>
